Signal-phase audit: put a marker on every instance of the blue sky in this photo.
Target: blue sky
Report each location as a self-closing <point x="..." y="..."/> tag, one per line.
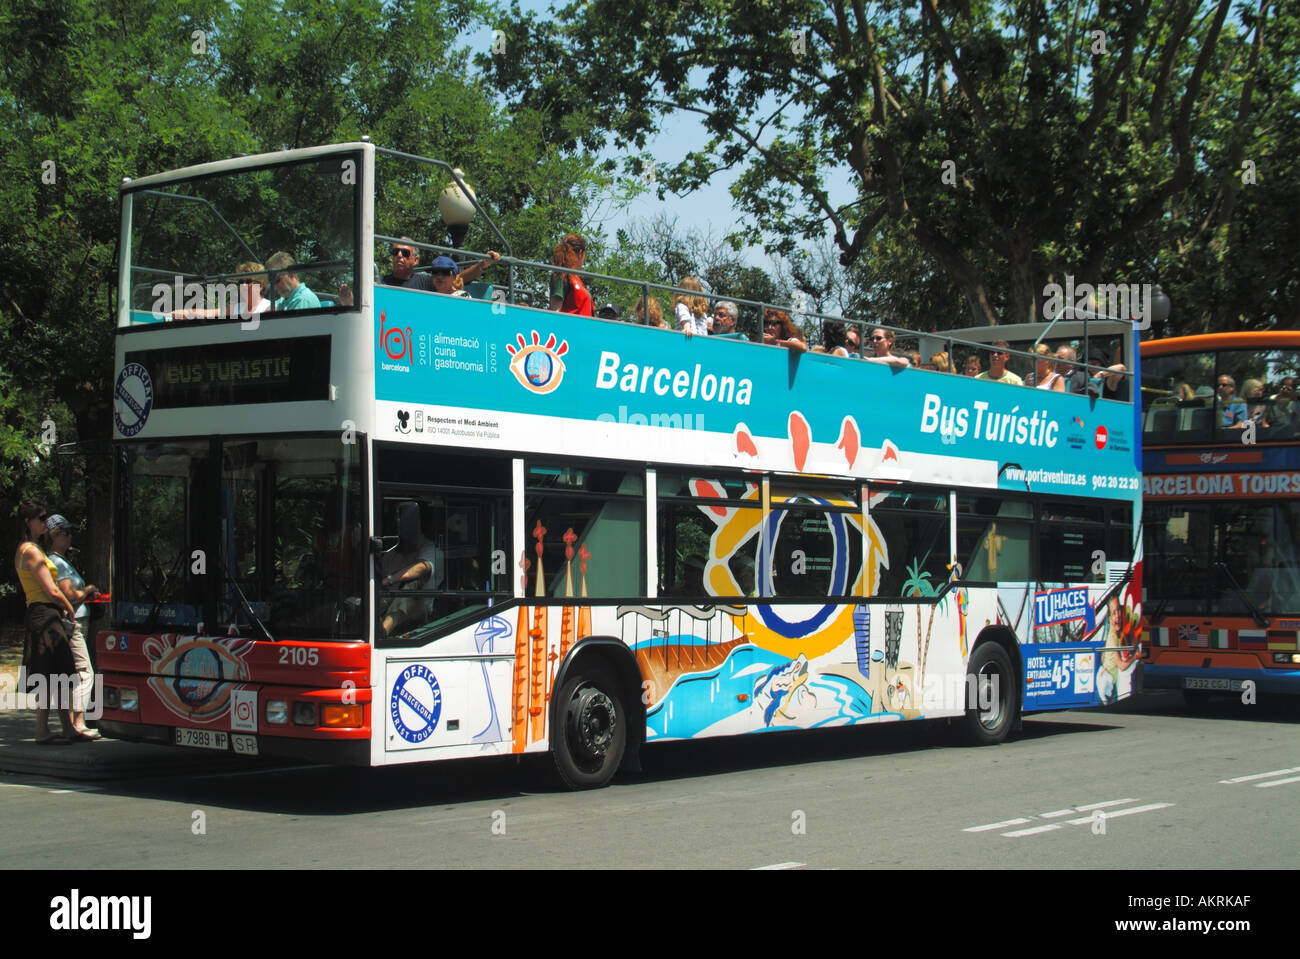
<point x="710" y="208"/>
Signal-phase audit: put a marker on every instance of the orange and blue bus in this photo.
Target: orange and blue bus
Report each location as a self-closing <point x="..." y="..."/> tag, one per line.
<point x="1222" y="513"/>
<point x="368" y="523"/>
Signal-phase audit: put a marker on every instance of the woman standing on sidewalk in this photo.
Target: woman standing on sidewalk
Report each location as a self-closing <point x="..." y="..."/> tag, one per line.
<point x="46" y="653"/>
<point x="58" y="536"/>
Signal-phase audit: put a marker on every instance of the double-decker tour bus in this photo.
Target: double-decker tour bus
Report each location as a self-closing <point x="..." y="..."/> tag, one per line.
<point x="369" y="523"/>
<point x="1222" y="492"/>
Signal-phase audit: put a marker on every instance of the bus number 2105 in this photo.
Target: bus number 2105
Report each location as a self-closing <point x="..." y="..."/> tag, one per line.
<point x="299" y="656"/>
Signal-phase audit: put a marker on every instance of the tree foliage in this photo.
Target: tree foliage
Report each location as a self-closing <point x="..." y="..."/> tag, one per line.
<point x="104" y="89"/>
<point x="990" y="147"/>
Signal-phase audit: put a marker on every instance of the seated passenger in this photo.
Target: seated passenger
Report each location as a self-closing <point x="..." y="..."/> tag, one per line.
<point x="444" y="272"/>
<point x="1257" y="408"/>
<point x="608" y="312"/>
<point x="724" y="321"/>
<point x="250" y="301"/>
<point x="882" y="349"/>
<point x="1044" y="376"/>
<point x="405" y="259"/>
<point x="973" y="366"/>
<point x="568" y="294"/>
<point x="998" y="372"/>
<point x="835" y="338"/>
<point x="294" y="294"/>
<point x="655" y="317"/>
<point x="940" y="361"/>
<point x="779" y="330"/>
<point x="1113" y="383"/>
<point x="691" y="312"/>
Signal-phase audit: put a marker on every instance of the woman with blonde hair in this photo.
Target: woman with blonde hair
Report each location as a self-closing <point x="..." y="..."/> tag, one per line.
<point x="940" y="362"/>
<point x="568" y="294"/>
<point x="692" y="312"/>
<point x="1044" y="375"/>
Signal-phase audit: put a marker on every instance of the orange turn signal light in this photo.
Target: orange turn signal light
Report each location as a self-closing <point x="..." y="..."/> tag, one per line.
<point x="336" y="716"/>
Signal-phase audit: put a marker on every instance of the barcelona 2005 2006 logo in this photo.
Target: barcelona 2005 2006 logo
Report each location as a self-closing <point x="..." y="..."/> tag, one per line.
<point x="415" y="704"/>
<point x="537" y="365"/>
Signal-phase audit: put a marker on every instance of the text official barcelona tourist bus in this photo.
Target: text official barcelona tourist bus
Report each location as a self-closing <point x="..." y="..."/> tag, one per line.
<point x="1222" y="490"/>
<point x="372" y="524"/>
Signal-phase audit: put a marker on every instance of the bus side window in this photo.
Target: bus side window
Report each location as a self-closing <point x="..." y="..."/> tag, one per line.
<point x="993" y="534"/>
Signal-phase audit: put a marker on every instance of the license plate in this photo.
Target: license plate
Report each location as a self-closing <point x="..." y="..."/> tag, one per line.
<point x="203" y="738"/>
<point x="1215" y="682"/>
<point x="244" y="745"/>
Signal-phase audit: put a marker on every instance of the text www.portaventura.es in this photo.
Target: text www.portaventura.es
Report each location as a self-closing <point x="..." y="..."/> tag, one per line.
<point x="1203" y="926"/>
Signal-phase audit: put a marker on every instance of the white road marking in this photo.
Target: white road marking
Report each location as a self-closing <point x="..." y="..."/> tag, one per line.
<point x="1037" y="829"/>
<point x="780" y="865"/>
<point x="1120" y="812"/>
<point x="1278" y="782"/>
<point x="996" y="825"/>
<point x="1093" y="808"/>
<point x="1246" y="779"/>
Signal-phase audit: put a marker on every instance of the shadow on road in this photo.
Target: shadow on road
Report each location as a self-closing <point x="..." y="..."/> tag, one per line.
<point x="336" y="791"/>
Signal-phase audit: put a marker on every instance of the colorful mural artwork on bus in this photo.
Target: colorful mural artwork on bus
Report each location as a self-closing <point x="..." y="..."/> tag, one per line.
<point x="193" y="676"/>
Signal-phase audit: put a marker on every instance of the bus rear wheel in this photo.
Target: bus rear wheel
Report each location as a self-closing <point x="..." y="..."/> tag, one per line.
<point x="591" y="736"/>
<point x="991" y="684"/>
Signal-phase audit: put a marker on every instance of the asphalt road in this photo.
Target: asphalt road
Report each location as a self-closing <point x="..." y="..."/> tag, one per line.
<point x="1151" y="785"/>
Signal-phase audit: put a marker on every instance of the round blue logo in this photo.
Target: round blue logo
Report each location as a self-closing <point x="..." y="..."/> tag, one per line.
<point x="538" y="368"/>
<point x="416" y="704"/>
<point x="132" y="399"/>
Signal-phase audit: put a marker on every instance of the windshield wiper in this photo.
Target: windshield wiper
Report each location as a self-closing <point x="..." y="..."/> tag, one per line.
<point x="1260" y="619"/>
<point x="245" y="606"/>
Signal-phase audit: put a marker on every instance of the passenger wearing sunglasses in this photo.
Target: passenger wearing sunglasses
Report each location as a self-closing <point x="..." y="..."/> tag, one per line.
<point x="405" y="259"/>
<point x="881" y="342"/>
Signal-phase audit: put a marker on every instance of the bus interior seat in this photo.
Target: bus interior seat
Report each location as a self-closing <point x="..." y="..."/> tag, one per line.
<point x="1197" y="419"/>
<point x="478" y="290"/>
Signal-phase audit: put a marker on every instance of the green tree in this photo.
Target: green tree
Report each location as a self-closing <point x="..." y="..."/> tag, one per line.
<point x="105" y="90"/>
<point x="991" y="148"/>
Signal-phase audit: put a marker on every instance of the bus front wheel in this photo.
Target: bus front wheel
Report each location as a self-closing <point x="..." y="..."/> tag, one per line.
<point x="588" y="745"/>
<point x="991" y="695"/>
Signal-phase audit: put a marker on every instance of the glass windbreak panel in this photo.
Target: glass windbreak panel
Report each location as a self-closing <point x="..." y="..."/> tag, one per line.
<point x="447" y="559"/>
<point x="590" y="523"/>
<point x="692" y="534"/>
<point x="1177" y="397"/>
<point x="219" y="532"/>
<point x="1178" y="542"/>
<point x="993" y="539"/>
<point x="914" y="527"/>
<point x="206" y="248"/>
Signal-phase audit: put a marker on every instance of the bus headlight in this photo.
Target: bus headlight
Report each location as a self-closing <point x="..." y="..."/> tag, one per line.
<point x="277" y="712"/>
<point x="129" y="698"/>
<point x="304" y="714"/>
<point x="341" y="716"/>
<point x="1285" y="659"/>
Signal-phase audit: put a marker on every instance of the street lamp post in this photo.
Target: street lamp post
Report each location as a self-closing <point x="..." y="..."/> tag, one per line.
<point x="456" y="208"/>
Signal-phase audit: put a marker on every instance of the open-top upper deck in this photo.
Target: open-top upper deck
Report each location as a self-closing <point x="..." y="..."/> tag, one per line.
<point x="414" y="366"/>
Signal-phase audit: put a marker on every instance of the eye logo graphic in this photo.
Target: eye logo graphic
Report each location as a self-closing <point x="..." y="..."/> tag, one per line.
<point x="537" y="366"/>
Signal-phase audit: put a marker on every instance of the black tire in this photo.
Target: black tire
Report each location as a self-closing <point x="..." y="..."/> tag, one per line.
<point x="590" y="732"/>
<point x="988" y="727"/>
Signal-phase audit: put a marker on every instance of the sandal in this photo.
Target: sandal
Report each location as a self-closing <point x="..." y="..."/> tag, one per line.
<point x="89" y="736"/>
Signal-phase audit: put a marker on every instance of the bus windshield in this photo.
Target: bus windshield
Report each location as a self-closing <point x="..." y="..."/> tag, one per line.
<point x="281" y="519"/>
<point x="193" y="242"/>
